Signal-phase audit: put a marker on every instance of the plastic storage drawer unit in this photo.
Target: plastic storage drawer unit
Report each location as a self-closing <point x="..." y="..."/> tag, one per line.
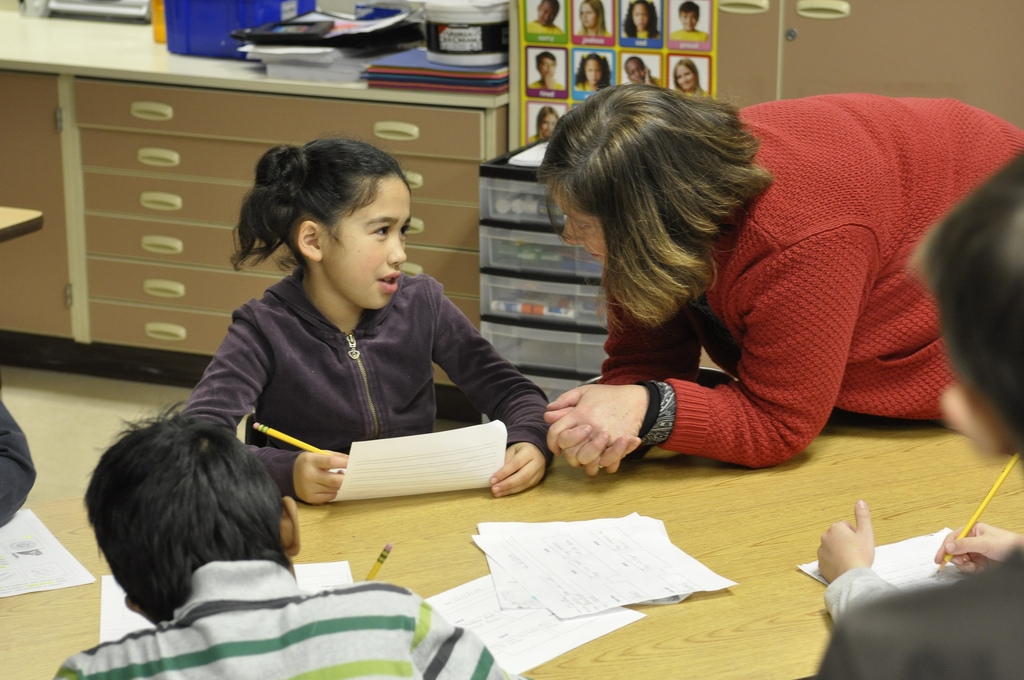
<point x="534" y="300"/>
<point x="555" y="350"/>
<point x="535" y="252"/>
<point x="516" y="202"/>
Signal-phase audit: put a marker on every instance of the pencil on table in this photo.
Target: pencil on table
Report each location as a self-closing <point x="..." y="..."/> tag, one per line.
<point x="984" y="504"/>
<point x="380" y="560"/>
<point x="281" y="436"/>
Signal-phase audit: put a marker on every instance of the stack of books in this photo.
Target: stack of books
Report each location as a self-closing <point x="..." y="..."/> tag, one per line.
<point x="412" y="70"/>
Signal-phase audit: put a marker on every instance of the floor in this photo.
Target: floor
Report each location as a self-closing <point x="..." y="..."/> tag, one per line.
<point x="71" y="419"/>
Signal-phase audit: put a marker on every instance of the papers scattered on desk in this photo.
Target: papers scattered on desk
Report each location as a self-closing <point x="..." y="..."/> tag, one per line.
<point x="116" y="620"/>
<point x="521" y="639"/>
<point x="464" y="458"/>
<point x="907" y="564"/>
<point x="32" y="559"/>
<point x="580" y="568"/>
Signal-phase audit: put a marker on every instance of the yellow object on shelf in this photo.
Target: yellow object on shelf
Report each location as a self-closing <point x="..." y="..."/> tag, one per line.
<point x="159" y="24"/>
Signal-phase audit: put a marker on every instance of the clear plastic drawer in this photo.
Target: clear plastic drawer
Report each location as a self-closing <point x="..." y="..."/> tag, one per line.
<point x="536" y="253"/>
<point x="559" y="350"/>
<point x="562" y="303"/>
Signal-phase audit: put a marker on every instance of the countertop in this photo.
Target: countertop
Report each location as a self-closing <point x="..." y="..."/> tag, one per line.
<point x="121" y="51"/>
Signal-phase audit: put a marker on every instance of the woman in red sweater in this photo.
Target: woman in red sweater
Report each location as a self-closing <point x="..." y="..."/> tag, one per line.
<point x="776" y="239"/>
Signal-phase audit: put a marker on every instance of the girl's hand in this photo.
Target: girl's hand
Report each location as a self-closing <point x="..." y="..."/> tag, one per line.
<point x="313" y="479"/>
<point x="523" y="468"/>
<point x="981" y="547"/>
<point x="847" y="546"/>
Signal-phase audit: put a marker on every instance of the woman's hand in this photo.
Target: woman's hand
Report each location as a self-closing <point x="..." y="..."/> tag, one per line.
<point x="596" y="426"/>
<point x="982" y="546"/>
<point x="847" y="546"/>
<point x="313" y="479"/>
<point x="524" y="468"/>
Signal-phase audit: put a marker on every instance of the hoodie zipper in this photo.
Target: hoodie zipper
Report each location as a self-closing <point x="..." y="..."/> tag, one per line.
<point x="353" y="353"/>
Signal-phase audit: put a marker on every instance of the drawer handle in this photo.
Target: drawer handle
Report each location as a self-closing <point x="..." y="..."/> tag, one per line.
<point x="164" y="288"/>
<point x="396" y="130"/>
<point x="157" y="157"/>
<point x="160" y="200"/>
<point x="164" y="245"/>
<point x="152" y="110"/>
<point x="744" y="6"/>
<point x="416" y="226"/>
<point x="158" y="330"/>
<point x="415" y="179"/>
<point x="823" y="9"/>
<point x="411" y="268"/>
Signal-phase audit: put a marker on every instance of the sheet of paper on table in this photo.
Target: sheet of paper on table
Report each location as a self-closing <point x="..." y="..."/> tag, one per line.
<point x="579" y="568"/>
<point x="906" y="564"/>
<point x="521" y="639"/>
<point x="464" y="458"/>
<point x="32" y="559"/>
<point x="116" y="620"/>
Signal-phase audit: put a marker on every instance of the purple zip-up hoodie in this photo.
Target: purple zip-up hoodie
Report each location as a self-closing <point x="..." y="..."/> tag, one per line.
<point x="301" y="375"/>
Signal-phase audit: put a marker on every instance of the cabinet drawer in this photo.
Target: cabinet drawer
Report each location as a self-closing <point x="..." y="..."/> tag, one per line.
<point x="174" y="286"/>
<point x="448" y="226"/>
<point x="443" y="179"/>
<point x="422" y="130"/>
<point x="163" y="198"/>
<point x="164" y="242"/>
<point x="157" y="327"/>
<point x="171" y="155"/>
<point x="457" y="271"/>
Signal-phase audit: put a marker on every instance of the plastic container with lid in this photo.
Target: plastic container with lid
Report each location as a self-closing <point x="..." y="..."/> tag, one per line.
<point x="467" y="32"/>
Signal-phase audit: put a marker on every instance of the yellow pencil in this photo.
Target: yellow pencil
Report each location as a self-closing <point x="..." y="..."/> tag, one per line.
<point x="984" y="503"/>
<point x="260" y="427"/>
<point x="380" y="560"/>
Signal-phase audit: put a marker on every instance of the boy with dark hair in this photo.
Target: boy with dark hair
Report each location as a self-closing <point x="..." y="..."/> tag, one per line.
<point x="689" y="15"/>
<point x="974" y="263"/>
<point x="198" y="536"/>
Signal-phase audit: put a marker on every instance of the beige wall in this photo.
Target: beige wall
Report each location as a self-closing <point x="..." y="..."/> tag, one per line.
<point x="9" y="5"/>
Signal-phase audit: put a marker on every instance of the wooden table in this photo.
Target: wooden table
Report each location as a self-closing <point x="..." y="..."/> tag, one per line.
<point x="18" y="221"/>
<point x="752" y="526"/>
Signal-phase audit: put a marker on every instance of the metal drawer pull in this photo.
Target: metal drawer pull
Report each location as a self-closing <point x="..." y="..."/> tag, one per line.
<point x="396" y="130"/>
<point x="823" y="9"/>
<point x="157" y="157"/>
<point x="158" y="330"/>
<point x="152" y="110"/>
<point x="164" y="245"/>
<point x="411" y="268"/>
<point x="160" y="200"/>
<point x="415" y="179"/>
<point x="416" y="226"/>
<point x="744" y="6"/>
<point x="164" y="288"/>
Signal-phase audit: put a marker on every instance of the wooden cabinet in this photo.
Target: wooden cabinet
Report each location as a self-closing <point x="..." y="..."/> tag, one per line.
<point x="164" y="172"/>
<point x="34" y="268"/>
<point x="909" y="48"/>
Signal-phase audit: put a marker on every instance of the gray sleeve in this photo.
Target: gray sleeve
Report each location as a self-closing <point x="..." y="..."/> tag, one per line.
<point x="854" y="589"/>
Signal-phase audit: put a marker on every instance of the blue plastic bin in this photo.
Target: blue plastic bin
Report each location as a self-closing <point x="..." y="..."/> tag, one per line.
<point x="203" y="27"/>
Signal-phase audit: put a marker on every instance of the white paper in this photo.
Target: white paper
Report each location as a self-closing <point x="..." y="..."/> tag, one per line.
<point x="906" y="564"/>
<point x="464" y="458"/>
<point x="117" y="620"/>
<point x="579" y="568"/>
<point x="32" y="559"/>
<point x="531" y="157"/>
<point x="522" y="639"/>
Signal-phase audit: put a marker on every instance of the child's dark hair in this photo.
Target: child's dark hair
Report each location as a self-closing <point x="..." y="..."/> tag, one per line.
<point x="172" y="494"/>
<point x="974" y="263"/>
<point x="323" y="180"/>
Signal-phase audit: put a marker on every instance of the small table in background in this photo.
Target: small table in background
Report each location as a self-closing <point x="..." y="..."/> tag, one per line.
<point x="16" y="222"/>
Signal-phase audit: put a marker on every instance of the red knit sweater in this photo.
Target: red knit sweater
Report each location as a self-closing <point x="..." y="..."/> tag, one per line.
<point x="813" y="286"/>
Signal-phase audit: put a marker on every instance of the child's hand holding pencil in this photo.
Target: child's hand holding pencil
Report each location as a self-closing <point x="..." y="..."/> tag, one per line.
<point x="316" y="473"/>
